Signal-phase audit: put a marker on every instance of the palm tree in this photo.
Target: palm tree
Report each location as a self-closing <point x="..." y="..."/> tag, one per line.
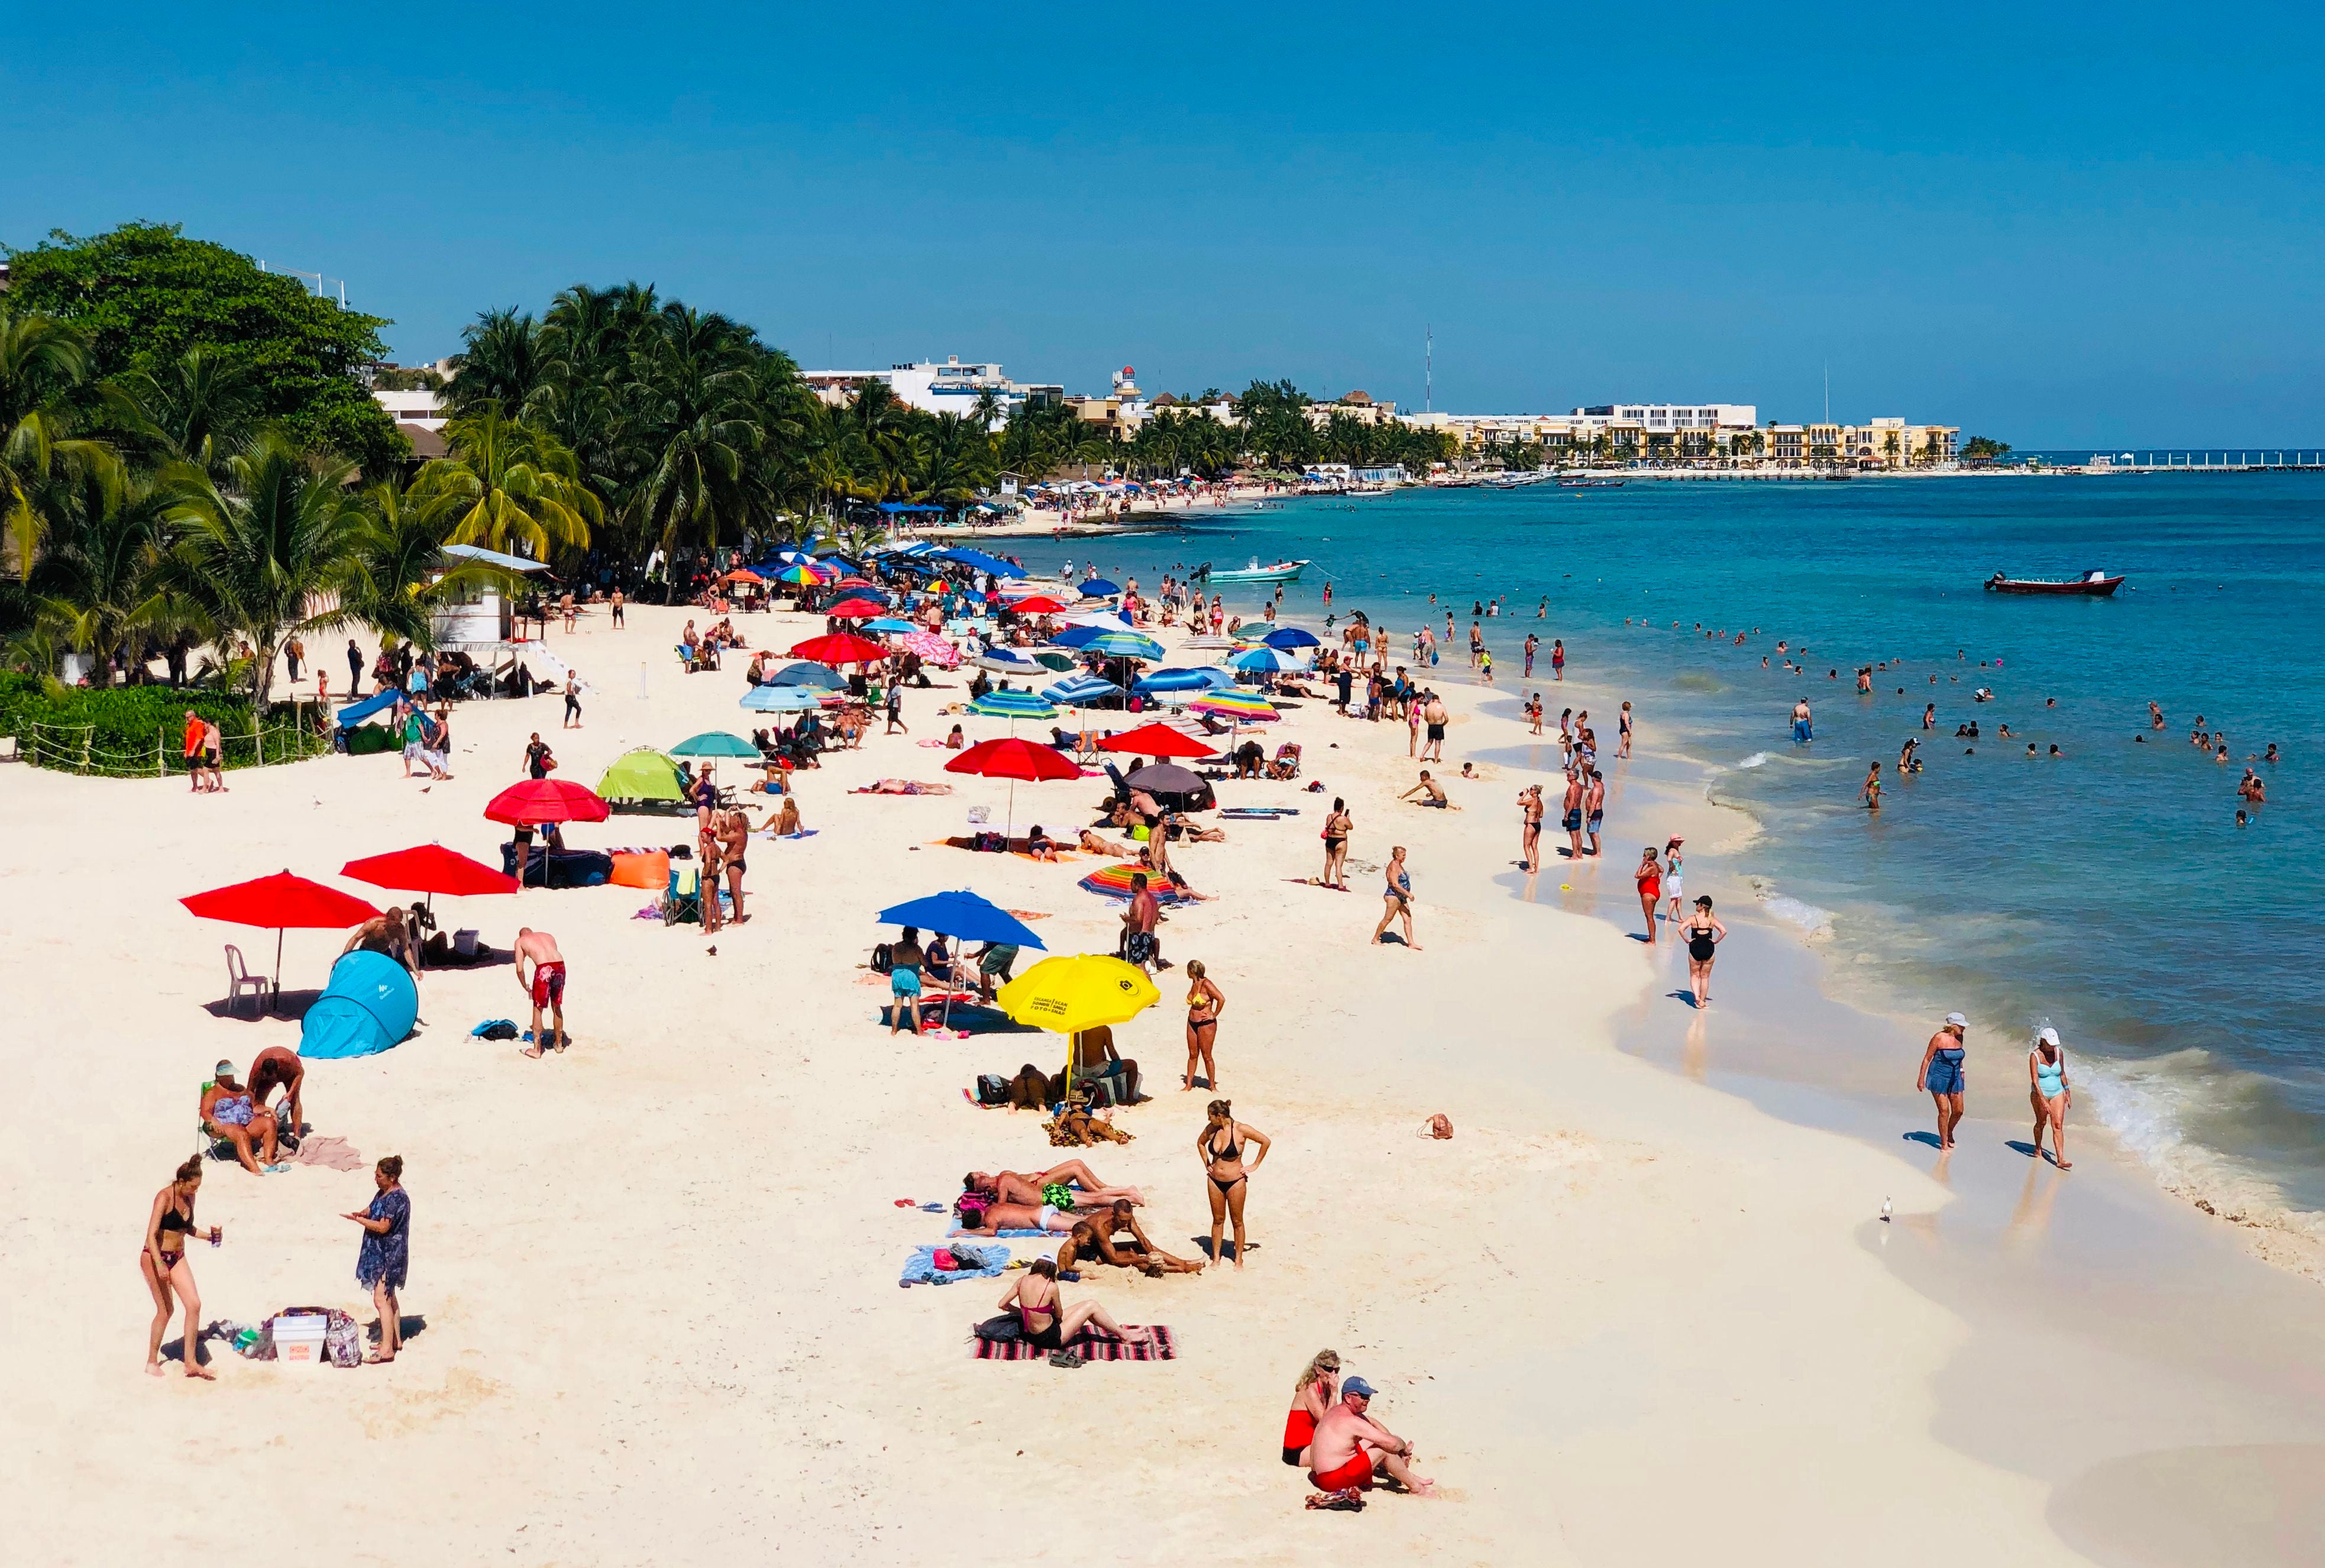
<point x="267" y="554"/>
<point x="97" y="585"/>
<point x="691" y="398"/>
<point x="397" y="573"/>
<point x="41" y="361"/>
<point x="503" y="362"/>
<point x="507" y="483"/>
<point x="200" y="409"/>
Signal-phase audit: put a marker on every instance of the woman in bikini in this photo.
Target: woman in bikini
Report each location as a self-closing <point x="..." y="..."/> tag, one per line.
<point x="1046" y="1321"/>
<point x="1650" y="877"/>
<point x="1703" y="934"/>
<point x="162" y="1261"/>
<point x="1337" y="823"/>
<point x="1314" y="1394"/>
<point x="1222" y="1144"/>
<point x="1205" y="1003"/>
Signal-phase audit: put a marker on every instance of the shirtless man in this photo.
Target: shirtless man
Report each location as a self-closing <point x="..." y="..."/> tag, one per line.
<point x="1570" y="813"/>
<point x="1348" y="1449"/>
<point x="1594" y="804"/>
<point x="1093" y="1242"/>
<point x="279" y="1067"/>
<point x="545" y="986"/>
<point x="1530" y="835"/>
<point x="1430" y="791"/>
<point x="733" y="831"/>
<point x="233" y="1114"/>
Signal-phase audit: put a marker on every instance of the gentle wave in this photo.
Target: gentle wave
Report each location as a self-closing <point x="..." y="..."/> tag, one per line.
<point x="1794" y="912"/>
<point x="1758" y="759"/>
<point x="2147" y="1105"/>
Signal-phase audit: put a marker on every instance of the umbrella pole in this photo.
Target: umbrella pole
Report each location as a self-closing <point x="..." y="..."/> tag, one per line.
<point x="278" y="969"/>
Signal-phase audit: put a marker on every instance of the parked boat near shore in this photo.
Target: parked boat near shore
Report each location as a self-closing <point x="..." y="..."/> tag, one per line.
<point x="2092" y="584"/>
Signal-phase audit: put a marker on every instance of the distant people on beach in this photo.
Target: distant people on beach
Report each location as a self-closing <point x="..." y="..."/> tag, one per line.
<point x="2050" y="1093"/>
<point x="1649" y="876"/>
<point x="1396" y="897"/>
<point x="385" y="1256"/>
<point x="1348" y="1449"/>
<point x="1675" y="876"/>
<point x="1314" y="1394"/>
<point x="1223" y="1145"/>
<point x="545" y="986"/>
<point x="1205" y="1004"/>
<point x="169" y="1278"/>
<point x="1703" y="934"/>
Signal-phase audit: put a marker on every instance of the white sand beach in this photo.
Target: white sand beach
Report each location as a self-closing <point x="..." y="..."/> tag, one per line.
<point x="1640" y="1309"/>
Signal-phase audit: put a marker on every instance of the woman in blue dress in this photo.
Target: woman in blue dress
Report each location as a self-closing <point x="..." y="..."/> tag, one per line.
<point x="385" y="1254"/>
<point x="1942" y="1076"/>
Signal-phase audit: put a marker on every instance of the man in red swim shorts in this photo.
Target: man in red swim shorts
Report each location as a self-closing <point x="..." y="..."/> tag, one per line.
<point x="546" y="987"/>
<point x="1348" y="1448"/>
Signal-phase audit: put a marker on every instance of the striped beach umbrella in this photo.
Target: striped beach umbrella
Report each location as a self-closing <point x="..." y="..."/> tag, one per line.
<point x="932" y="648"/>
<point x="1013" y="705"/>
<point x="1124" y="645"/>
<point x="1114" y="882"/>
<point x="1263" y="660"/>
<point x="1240" y="707"/>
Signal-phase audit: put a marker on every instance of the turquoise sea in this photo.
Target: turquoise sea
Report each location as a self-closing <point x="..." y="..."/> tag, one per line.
<point x="2109" y="892"/>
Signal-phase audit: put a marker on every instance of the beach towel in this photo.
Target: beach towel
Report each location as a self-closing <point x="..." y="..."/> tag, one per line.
<point x="1089" y="1345"/>
<point x="333" y="1154"/>
<point x="920" y="1268"/>
<point x="775" y="837"/>
<point x="1005" y="1235"/>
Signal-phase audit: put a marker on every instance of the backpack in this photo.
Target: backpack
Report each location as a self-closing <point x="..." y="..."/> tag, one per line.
<point x="884" y="959"/>
<point x="991" y="1089"/>
<point x="1004" y="1327"/>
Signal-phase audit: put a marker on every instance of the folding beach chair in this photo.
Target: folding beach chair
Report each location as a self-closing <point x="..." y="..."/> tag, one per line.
<point x="682" y="899"/>
<point x="1286" y="765"/>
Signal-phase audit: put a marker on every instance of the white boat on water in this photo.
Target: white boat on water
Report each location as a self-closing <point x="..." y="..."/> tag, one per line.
<point x="1282" y="571"/>
<point x="1368" y="490"/>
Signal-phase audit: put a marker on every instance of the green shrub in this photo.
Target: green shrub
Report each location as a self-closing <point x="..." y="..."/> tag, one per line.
<point x="138" y="731"/>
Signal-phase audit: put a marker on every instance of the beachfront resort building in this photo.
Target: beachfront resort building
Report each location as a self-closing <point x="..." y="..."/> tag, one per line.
<point x="951" y="387"/>
<point x="1888" y="442"/>
<point x="1696" y="432"/>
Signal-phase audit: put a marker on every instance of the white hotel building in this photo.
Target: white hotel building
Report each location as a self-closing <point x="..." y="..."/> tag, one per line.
<point x="951" y="387"/>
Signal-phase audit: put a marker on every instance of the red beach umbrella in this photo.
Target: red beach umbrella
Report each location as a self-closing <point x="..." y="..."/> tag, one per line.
<point x="841" y="648"/>
<point x="1013" y="759"/>
<point x="280" y="901"/>
<point x="545" y="799"/>
<point x="1040" y="603"/>
<point x="1156" y="741"/>
<point x="429" y="869"/>
<point x="857" y="609"/>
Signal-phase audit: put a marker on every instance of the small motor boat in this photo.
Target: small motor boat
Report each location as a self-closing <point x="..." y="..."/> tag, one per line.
<point x="2092" y="584"/>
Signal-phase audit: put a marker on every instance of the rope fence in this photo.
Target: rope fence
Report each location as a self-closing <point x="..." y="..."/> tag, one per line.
<point x="77" y="749"/>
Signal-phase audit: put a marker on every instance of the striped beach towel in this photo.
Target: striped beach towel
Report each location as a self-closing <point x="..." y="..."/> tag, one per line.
<point x="1089" y="1345"/>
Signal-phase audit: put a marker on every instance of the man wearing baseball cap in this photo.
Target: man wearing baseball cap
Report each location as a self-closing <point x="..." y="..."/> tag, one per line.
<point x="1942" y="1076"/>
<point x="1348" y="1448"/>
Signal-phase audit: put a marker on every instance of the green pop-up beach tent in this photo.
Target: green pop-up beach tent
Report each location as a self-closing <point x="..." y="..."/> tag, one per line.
<point x="641" y="778"/>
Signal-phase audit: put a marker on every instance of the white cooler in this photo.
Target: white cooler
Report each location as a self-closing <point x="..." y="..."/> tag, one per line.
<point x="299" y="1339"/>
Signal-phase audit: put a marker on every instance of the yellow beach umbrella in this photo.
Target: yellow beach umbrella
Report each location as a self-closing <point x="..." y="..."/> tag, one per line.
<point x="1067" y="993"/>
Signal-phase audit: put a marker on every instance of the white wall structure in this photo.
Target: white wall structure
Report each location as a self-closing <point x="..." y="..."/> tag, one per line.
<point x="422" y="408"/>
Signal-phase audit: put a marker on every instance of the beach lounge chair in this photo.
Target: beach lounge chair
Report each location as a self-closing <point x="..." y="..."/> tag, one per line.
<point x="239" y="978"/>
<point x="1286" y="765"/>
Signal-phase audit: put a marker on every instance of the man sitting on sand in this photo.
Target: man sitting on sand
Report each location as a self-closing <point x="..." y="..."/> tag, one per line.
<point x="1431" y="793"/>
<point x="1348" y="1449"/>
<point x="232" y="1114"/>
<point x="1093" y="1241"/>
<point x="546" y="987"/>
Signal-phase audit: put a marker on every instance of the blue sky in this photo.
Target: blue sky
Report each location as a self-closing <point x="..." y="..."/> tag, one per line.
<point x="2097" y="227"/>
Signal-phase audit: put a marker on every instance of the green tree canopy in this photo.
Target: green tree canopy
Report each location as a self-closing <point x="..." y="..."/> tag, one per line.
<point x="144" y="296"/>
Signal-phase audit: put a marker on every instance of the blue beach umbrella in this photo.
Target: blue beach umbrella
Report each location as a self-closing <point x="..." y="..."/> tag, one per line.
<point x="715" y="743"/>
<point x="1010" y="661"/>
<point x="1077" y="637"/>
<point x="782" y="699"/>
<point x="891" y="624"/>
<point x="1290" y="637"/>
<point x="1098" y="587"/>
<point x="806" y="672"/>
<point x="1082" y="692"/>
<point x="963" y="916"/>
<point x="1013" y="704"/>
<point x="1262" y="660"/>
<point x="1163" y="681"/>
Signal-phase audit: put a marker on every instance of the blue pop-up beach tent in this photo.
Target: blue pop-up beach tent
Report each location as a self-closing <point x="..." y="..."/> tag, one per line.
<point x="369" y="1006"/>
<point x="356" y="713"/>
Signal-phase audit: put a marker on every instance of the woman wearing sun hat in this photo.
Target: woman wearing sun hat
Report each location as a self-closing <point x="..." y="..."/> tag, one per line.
<point x="2046" y="1073"/>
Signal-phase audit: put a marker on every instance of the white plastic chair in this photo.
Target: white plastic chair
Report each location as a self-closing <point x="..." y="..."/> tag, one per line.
<point x="239" y="978"/>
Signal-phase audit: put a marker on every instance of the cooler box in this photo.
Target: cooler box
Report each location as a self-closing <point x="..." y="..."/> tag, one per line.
<point x="298" y="1338"/>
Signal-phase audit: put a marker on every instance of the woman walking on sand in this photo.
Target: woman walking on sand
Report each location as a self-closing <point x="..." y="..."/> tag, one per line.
<point x="1941" y="1077"/>
<point x="1338" y="822"/>
<point x="1650" y="877"/>
<point x="1222" y="1144"/>
<point x="1703" y="934"/>
<point x="2046" y="1073"/>
<point x="385" y="1254"/>
<point x="162" y="1261"/>
<point x="1205" y="1003"/>
<point x="1674" y="877"/>
<point x="1397" y="895"/>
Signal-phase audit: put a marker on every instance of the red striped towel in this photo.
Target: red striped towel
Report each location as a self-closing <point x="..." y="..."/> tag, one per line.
<point x="1089" y="1345"/>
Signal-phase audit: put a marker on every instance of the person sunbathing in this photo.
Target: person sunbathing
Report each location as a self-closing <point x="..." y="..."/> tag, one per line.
<point x="992" y="1219"/>
<point x="1093" y="1241"/>
<point x="1048" y="1321"/>
<point x="787" y="825"/>
<point x="1039" y="845"/>
<point x="1097" y="846"/>
<point x="1180" y="828"/>
<point x="231" y="1114"/>
<point x="903" y="786"/>
<point x="1026" y="1187"/>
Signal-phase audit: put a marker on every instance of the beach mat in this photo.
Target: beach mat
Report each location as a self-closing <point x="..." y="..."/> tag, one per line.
<point x="1088" y="1346"/>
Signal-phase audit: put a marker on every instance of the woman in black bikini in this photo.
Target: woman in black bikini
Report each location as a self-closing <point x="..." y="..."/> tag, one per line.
<point x="162" y="1261"/>
<point x="1221" y="1144"/>
<point x="1336" y="824"/>
<point x="1046" y="1322"/>
<point x="1703" y="934"/>
<point x="1205" y="1003"/>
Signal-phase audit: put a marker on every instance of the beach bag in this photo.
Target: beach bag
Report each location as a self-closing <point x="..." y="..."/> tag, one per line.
<point x="989" y="843"/>
<point x="884" y="959"/>
<point x="991" y="1089"/>
<point x="970" y="1204"/>
<point x="1001" y="1328"/>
